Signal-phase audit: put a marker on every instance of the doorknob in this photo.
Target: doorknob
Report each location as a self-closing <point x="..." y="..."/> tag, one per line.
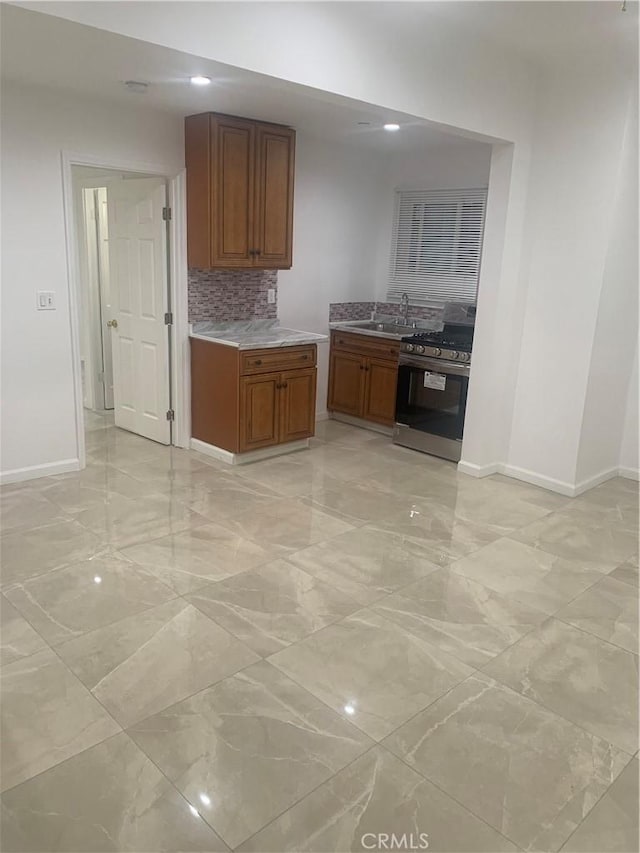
<point x="112" y="323"/>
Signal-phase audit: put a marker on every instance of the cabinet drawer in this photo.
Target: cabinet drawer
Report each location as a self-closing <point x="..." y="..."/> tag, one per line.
<point x="276" y="359"/>
<point x="365" y="345"/>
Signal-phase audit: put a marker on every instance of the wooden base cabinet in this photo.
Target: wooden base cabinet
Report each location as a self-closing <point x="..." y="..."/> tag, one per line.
<point x="276" y="408"/>
<point x="245" y="400"/>
<point x="363" y="374"/>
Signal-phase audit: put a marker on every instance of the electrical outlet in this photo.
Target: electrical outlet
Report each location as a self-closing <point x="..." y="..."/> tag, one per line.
<point x="45" y="300"/>
<point x="271" y="296"/>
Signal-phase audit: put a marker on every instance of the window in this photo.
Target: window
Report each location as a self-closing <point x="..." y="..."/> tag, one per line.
<point x="436" y="244"/>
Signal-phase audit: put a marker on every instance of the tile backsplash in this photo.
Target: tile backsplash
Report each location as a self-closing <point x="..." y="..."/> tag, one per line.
<point x="363" y="310"/>
<point x="231" y="295"/>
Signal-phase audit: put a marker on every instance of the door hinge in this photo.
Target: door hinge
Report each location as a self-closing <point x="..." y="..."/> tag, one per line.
<point x="170" y="415"/>
<point x="168" y="318"/>
<point x="166" y="213"/>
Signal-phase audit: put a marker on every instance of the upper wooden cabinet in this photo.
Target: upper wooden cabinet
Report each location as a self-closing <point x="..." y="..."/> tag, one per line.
<point x="239" y="193"/>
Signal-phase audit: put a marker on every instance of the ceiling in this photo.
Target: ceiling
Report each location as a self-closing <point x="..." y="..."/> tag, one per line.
<point x="547" y="32"/>
<point x="97" y="63"/>
<point x="56" y="52"/>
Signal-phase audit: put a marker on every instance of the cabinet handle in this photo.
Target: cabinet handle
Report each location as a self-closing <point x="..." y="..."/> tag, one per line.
<point x="258" y="361"/>
<point x="362" y="367"/>
<point x="366" y="368"/>
<point x="256" y="251"/>
<point x="285" y="385"/>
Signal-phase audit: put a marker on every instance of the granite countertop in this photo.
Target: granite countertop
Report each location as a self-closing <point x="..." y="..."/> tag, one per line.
<point x="254" y="334"/>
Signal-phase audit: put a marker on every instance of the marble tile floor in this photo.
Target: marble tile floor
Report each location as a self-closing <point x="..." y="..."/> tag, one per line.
<point x="320" y="652"/>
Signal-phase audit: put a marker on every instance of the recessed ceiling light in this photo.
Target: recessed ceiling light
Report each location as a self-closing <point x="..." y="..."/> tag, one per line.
<point x="136" y="86"/>
<point x="392" y="126"/>
<point x="198" y="80"/>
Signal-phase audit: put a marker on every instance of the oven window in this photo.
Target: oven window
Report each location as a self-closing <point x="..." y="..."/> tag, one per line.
<point x="431" y="402"/>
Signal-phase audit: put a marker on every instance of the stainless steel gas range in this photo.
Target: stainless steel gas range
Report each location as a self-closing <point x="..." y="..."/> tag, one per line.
<point x="433" y="378"/>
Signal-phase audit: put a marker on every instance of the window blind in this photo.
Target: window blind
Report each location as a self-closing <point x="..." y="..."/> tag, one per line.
<point x="437" y="244"/>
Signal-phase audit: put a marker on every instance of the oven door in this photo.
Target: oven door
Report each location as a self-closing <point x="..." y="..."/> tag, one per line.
<point x="432" y="396"/>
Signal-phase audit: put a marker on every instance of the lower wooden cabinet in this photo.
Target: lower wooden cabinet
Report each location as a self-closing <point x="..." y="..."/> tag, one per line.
<point x="346" y="383"/>
<point x="363" y="374"/>
<point x="380" y="391"/>
<point x="244" y="400"/>
<point x="276" y="408"/>
<point x="297" y="405"/>
<point x="259" y="411"/>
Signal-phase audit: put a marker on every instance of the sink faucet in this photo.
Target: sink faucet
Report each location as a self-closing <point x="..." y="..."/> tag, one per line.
<point x="404" y="308"/>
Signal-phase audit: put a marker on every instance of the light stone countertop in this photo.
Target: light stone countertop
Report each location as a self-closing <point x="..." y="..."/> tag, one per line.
<point x="385" y="327"/>
<point x="253" y="334"/>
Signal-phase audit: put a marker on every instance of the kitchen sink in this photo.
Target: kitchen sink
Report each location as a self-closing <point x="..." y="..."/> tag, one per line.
<point x="387" y="328"/>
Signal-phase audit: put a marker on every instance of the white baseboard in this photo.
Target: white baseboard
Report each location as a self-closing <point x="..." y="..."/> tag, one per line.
<point x="33" y="472"/>
<point x="592" y="482"/>
<point x="251" y="456"/>
<point x="559" y="486"/>
<point x="477" y="470"/>
<point x="629" y="473"/>
<point x="570" y="490"/>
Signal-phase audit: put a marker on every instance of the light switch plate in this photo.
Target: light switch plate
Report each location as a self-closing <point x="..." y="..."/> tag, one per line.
<point x="45" y="300"/>
<point x="271" y="296"/>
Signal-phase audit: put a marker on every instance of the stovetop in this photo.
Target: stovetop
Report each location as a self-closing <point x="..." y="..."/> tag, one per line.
<point x="453" y="343"/>
<point x="440" y="339"/>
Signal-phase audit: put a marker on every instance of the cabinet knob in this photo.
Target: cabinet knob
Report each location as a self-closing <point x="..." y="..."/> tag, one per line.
<point x="258" y="361"/>
<point x="256" y="251"/>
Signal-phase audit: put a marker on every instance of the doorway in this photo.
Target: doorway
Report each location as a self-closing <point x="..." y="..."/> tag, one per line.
<point x="125" y="325"/>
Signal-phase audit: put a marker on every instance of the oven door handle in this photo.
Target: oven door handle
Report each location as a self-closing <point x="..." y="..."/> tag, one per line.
<point x="435" y="365"/>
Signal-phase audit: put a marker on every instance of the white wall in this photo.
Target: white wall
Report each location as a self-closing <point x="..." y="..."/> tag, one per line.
<point x="616" y="335"/>
<point x="629" y="461"/>
<point x="38" y="414"/>
<point x="458" y="165"/>
<point x="337" y="207"/>
<point x="580" y="125"/>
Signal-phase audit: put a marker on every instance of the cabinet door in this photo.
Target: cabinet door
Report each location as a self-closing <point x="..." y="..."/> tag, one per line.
<point x="274" y="196"/>
<point x="346" y="383"/>
<point x="259" y="414"/>
<point x="380" y="391"/>
<point x="232" y="192"/>
<point x="297" y="404"/>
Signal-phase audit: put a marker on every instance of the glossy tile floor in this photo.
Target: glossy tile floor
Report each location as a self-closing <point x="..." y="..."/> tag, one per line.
<point x="319" y="652"/>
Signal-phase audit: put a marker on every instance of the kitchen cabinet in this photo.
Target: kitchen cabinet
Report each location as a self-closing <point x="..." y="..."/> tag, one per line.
<point x="240" y="176"/>
<point x="363" y="373"/>
<point x="276" y="408"/>
<point x="243" y="400"/>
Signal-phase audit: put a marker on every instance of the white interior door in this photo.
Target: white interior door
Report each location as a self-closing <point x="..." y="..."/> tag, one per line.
<point x="102" y="221"/>
<point x="139" y="300"/>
